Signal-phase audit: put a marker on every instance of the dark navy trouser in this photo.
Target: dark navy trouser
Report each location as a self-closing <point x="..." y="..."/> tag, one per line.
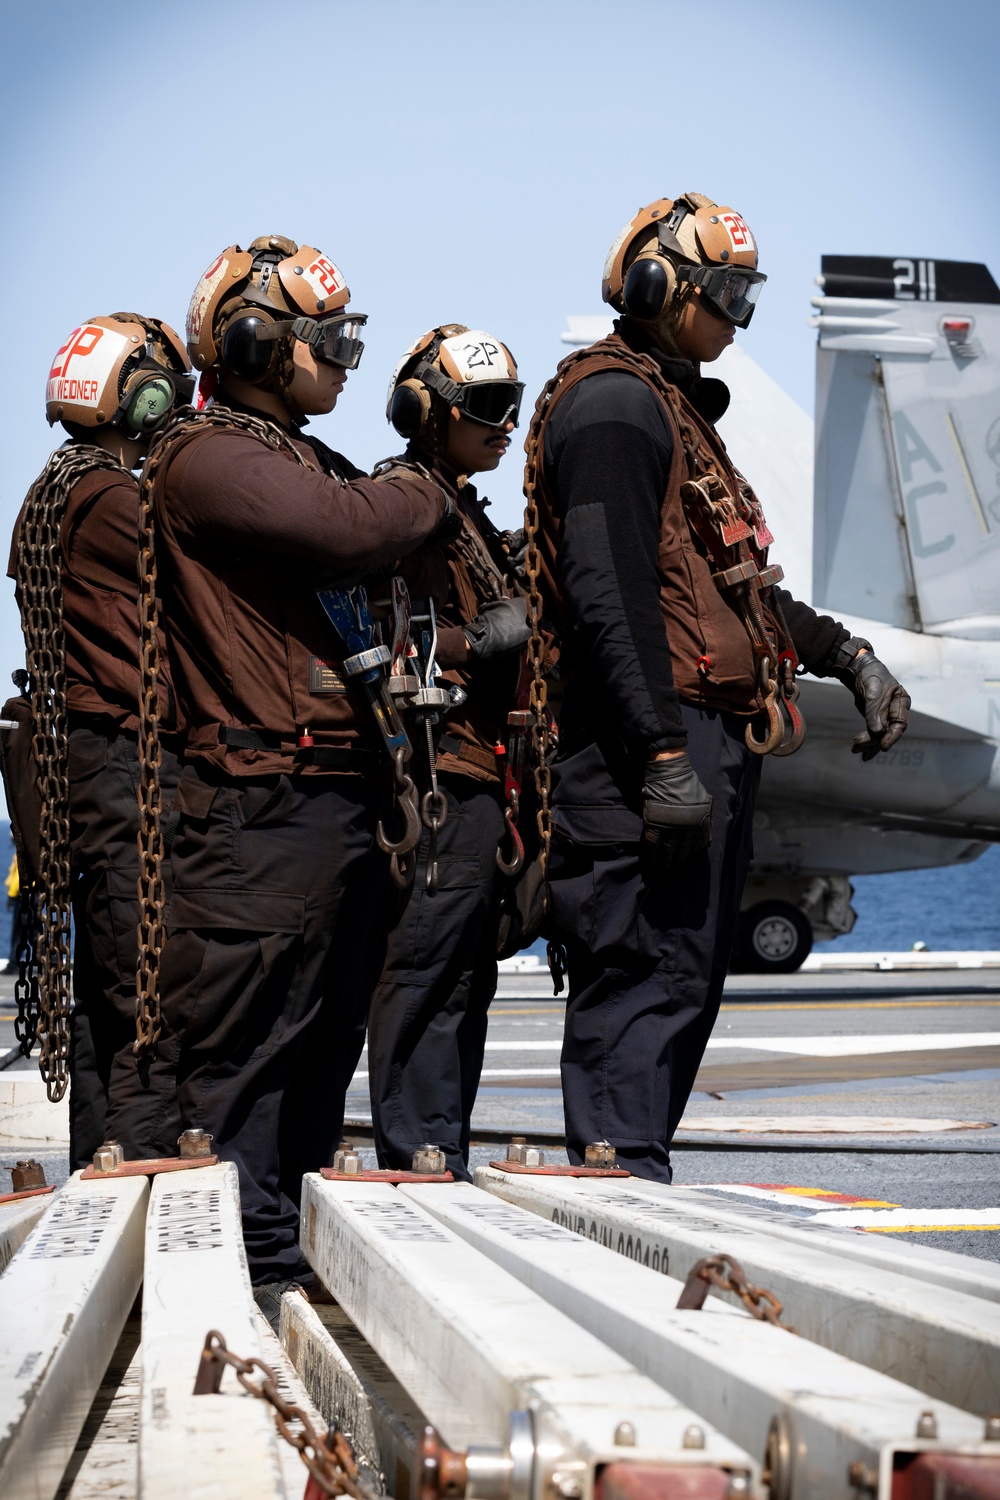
<point x="647" y="962"/>
<point x="277" y="938"/>
<point x="428" y="1019"/>
<point x="110" y="1098"/>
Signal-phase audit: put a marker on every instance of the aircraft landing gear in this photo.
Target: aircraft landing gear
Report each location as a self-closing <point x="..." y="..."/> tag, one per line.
<point x="775" y="937"/>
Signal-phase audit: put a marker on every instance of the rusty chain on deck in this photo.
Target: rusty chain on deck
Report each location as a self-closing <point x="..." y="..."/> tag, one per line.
<point x="725" y="1274"/>
<point x="330" y="1460"/>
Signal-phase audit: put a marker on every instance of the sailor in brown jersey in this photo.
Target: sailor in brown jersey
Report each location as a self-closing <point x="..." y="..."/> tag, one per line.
<point x="679" y="653"/>
<point x="456" y="397"/>
<point x="112" y="384"/>
<point x="279" y="887"/>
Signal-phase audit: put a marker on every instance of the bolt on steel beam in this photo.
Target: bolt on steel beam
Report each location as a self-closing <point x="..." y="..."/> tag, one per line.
<point x="487" y="1360"/>
<point x="64" y="1300"/>
<point x="742" y="1374"/>
<point x="944" y="1342"/>
<point x="196" y="1279"/>
<point x="355" y="1389"/>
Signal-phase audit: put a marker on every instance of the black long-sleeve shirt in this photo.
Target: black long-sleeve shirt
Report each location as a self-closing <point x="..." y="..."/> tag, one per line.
<point x="609" y="449"/>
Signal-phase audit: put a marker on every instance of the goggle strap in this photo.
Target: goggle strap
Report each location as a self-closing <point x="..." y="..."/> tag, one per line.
<point x="449" y="390"/>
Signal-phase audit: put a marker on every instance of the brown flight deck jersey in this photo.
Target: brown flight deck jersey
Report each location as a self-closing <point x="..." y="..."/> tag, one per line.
<point x="99" y="545"/>
<point x="244" y="538"/>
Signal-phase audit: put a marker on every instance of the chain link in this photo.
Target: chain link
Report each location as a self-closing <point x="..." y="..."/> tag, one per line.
<point x="26" y="984"/>
<point x="330" y="1460"/>
<point x="541" y="729"/>
<point x="185" y="424"/>
<point x="39" y="584"/>
<point x="725" y="1274"/>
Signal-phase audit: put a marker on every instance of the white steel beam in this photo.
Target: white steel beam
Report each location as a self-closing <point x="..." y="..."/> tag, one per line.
<point x="17" y="1220"/>
<point x="104" y="1466"/>
<point x="64" y="1300"/>
<point x="292" y="1389"/>
<point x="945" y="1343"/>
<point x="737" y="1372"/>
<point x="212" y="1447"/>
<point x="962" y="1273"/>
<point x="354" y="1388"/>
<point x="472" y="1345"/>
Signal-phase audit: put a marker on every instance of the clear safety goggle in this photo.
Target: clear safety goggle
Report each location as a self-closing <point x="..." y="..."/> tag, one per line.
<point x="333" y="341"/>
<point x="731" y="291"/>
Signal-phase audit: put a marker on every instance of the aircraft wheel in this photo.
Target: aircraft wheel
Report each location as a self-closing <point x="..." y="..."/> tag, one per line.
<point x="775" y="938"/>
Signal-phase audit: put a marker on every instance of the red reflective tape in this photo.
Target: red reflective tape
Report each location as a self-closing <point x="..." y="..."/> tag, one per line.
<point x="624" y="1481"/>
<point x="947" y="1476"/>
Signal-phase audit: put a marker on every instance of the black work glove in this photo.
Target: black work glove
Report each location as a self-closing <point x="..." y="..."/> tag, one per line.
<point x="882" y="702"/>
<point x="515" y="544"/>
<point x="676" y="815"/>
<point x="500" y="627"/>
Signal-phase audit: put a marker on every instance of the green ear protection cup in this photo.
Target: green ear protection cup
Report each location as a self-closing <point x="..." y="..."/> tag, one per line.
<point x="148" y="406"/>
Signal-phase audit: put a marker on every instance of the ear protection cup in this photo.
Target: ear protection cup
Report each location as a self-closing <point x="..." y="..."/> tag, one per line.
<point x="410" y="408"/>
<point x="147" y="406"/>
<point x="243" y="355"/>
<point x="644" y="294"/>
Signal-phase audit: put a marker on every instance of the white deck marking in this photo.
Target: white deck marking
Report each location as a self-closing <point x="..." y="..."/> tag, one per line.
<point x="825" y="1124"/>
<point x="901" y="1219"/>
<point x="858" y="1045"/>
<point x="64" y="1300"/>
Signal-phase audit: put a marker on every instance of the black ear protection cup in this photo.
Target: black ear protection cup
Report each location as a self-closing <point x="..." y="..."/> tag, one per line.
<point x="410" y="408"/>
<point x="644" y="293"/>
<point x="243" y="354"/>
<point x="147" y="406"/>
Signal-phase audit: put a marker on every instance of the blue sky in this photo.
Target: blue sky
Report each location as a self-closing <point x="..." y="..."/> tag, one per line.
<point x="470" y="162"/>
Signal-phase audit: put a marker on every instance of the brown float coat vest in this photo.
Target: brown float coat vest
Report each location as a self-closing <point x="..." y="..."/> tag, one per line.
<point x="461" y="576"/>
<point x="720" y="615"/>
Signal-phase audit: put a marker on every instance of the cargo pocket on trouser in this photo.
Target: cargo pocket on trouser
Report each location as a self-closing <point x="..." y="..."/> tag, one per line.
<point x="227" y="971"/>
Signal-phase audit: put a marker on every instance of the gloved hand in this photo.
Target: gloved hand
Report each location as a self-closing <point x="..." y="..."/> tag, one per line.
<point x="882" y="702"/>
<point x="515" y="544"/>
<point x="502" y="626"/>
<point x="676" y="815"/>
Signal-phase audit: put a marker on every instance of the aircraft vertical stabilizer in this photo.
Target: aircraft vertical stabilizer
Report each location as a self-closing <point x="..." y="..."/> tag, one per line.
<point x="907" y="492"/>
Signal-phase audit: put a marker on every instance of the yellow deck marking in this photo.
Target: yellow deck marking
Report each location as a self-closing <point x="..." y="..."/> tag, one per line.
<point x="925" y="1228"/>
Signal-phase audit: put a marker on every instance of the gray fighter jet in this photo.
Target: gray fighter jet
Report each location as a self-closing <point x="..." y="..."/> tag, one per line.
<point x="886" y="513"/>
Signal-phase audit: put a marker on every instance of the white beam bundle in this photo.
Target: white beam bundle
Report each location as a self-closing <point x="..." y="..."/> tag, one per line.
<point x="733" y="1370"/>
<point x="946" y="1343"/>
<point x="471" y="1344"/>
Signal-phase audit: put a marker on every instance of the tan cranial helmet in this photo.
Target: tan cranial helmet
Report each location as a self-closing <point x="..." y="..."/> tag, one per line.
<point x="453" y="366"/>
<point x="250" y="305"/>
<point x="124" y="369"/>
<point x="674" y="245"/>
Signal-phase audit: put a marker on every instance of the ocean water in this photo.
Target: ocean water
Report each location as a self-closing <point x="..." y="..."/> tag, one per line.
<point x="954" y="907"/>
<point x="957" y="907"/>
